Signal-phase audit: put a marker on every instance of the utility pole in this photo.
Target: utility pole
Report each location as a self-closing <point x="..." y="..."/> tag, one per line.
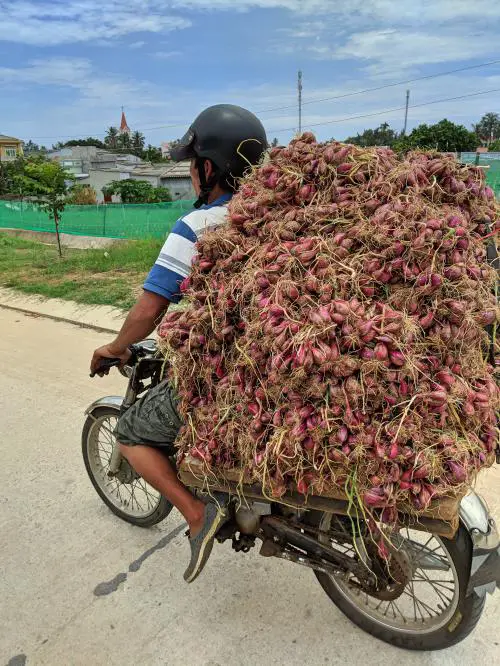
<point x="299" y="87"/>
<point x="406" y="111"/>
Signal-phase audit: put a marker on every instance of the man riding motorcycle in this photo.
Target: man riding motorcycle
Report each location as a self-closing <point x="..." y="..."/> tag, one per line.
<point x="222" y="142"/>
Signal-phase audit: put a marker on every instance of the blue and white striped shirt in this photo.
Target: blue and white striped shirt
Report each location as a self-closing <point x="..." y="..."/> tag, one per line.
<point x="176" y="256"/>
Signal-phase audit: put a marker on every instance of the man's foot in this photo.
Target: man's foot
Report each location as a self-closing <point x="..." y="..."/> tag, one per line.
<point x="202" y="543"/>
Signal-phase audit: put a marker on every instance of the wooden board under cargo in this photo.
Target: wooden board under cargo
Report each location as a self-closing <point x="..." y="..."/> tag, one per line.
<point x="441" y="517"/>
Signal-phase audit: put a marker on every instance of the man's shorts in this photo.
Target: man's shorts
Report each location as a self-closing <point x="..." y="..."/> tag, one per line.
<point x="151" y="421"/>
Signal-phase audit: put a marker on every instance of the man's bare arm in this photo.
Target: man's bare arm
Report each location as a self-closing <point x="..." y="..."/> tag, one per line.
<point x="140" y="322"/>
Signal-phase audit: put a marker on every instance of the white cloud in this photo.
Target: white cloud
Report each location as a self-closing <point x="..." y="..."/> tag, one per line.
<point x="53" y="71"/>
<point x="94" y="89"/>
<point x="165" y="55"/>
<point x="136" y="45"/>
<point x="52" y="23"/>
<point x="389" y="38"/>
<point x="410" y="47"/>
<point x="307" y="30"/>
<point x="403" y="11"/>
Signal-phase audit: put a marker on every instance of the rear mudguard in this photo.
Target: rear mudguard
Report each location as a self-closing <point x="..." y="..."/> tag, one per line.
<point x="485" y="565"/>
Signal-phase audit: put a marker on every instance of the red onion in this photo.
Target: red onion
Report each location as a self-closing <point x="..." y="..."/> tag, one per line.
<point x="457" y="470"/>
<point x="374" y="498"/>
<point x="380" y="351"/>
<point x="342" y="434"/>
<point x="308" y="444"/>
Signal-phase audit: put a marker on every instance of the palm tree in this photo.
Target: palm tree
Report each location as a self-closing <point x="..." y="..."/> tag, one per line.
<point x="488" y="128"/>
<point x="124" y="140"/>
<point x="111" y="139"/>
<point x="138" y="141"/>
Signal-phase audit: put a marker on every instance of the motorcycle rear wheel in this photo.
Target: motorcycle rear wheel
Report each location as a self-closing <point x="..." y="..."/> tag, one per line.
<point x="127" y="495"/>
<point x="457" y="612"/>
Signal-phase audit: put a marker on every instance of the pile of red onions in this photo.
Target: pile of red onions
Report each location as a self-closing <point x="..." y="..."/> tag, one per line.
<point x="335" y="331"/>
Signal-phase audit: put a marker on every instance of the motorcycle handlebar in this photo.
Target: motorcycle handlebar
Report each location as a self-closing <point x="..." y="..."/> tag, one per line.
<point x="105" y="364"/>
<point x="138" y="351"/>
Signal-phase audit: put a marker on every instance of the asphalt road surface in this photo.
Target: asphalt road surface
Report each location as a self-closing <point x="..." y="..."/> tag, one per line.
<point x="80" y="587"/>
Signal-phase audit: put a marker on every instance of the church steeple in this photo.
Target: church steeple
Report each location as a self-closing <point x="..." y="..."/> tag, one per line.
<point x="124" y="128"/>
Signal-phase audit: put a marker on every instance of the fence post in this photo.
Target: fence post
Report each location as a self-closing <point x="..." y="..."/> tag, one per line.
<point x="104" y="220"/>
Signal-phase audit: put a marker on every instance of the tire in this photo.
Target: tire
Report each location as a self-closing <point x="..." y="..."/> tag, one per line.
<point x="459" y="626"/>
<point x="159" y="513"/>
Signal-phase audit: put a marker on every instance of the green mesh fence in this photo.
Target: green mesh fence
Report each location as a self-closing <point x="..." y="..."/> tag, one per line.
<point x="136" y="220"/>
<point x="112" y="220"/>
<point x="492" y="172"/>
<point x="493" y="177"/>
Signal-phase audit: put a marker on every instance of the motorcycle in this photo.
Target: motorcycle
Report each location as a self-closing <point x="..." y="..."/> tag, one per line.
<point x="426" y="593"/>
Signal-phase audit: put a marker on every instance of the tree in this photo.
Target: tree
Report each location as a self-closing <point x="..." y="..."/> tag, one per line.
<point x="89" y="141"/>
<point x="152" y="154"/>
<point x="138" y="141"/>
<point x="47" y="184"/>
<point x="444" y="136"/>
<point x="137" y="191"/>
<point x="488" y="128"/>
<point x="111" y="138"/>
<point x="383" y="135"/>
<point x="274" y="142"/>
<point x="9" y="178"/>
<point x="31" y="148"/>
<point x="124" y="141"/>
<point x="495" y="146"/>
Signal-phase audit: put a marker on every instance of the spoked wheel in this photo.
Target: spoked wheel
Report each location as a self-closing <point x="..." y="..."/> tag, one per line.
<point x="126" y="493"/>
<point x="421" y="604"/>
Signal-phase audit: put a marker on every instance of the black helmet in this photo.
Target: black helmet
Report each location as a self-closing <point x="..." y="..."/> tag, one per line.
<point x="228" y="135"/>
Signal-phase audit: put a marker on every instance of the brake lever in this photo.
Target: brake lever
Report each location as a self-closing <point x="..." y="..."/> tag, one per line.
<point x="105" y="364"/>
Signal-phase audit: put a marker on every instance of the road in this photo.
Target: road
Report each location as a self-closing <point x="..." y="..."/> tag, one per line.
<point x="80" y="587"/>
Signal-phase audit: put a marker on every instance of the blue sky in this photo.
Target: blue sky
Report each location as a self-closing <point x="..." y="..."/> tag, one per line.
<point x="66" y="67"/>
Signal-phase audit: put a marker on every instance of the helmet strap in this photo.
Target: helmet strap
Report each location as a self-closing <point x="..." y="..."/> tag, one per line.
<point x="206" y="186"/>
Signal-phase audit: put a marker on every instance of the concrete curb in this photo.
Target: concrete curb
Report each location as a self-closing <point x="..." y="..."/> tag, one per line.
<point x="32" y="313"/>
<point x="99" y="318"/>
<point x="72" y="241"/>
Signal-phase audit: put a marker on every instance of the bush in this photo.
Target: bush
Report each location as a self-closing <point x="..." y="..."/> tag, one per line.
<point x="82" y="195"/>
<point x="137" y="191"/>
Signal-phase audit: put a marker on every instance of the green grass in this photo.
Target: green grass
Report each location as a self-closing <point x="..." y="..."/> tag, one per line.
<point x="111" y="276"/>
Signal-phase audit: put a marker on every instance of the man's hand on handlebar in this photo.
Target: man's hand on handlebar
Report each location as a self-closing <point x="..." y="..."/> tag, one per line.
<point x="104" y="353"/>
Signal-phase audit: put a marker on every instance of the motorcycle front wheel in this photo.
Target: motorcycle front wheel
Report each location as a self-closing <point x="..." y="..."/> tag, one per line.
<point x="126" y="493"/>
<point x="431" y="612"/>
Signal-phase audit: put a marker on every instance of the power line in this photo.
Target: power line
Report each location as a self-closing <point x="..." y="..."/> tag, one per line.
<point x="398" y="108"/>
<point x="387" y="85"/>
<point x="312" y="101"/>
<point x="356" y="92"/>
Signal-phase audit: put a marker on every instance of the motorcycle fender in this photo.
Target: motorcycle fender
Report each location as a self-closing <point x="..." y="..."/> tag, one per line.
<point x="111" y="401"/>
<point x="485" y="565"/>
